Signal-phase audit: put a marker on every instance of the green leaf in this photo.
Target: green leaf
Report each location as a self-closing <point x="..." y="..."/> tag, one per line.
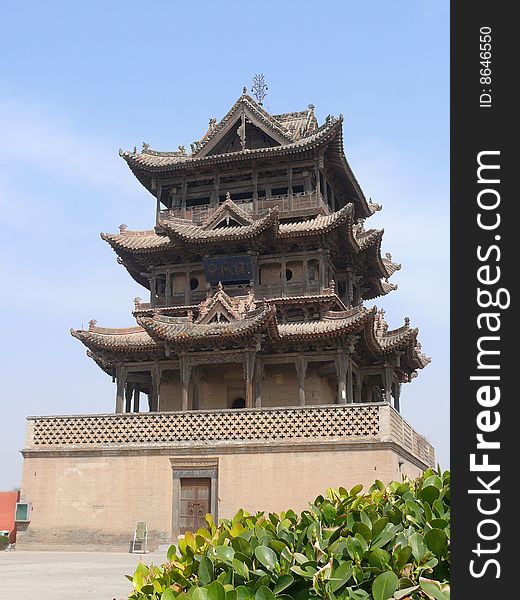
<point x="240" y="568"/>
<point x="205" y="570"/>
<point x="264" y="593"/>
<point x="329" y="512"/>
<point x="439" y="523"/>
<point x="356" y="489"/>
<point x="429" y="494"/>
<point x="402" y="558"/>
<point x="277" y="545"/>
<point x="284" y="581"/>
<point x="354" y="548"/>
<point x="171" y="553"/>
<point x="434" y="589"/>
<point x="378" y="526"/>
<point x="341" y="575"/>
<point x="419" y="548"/>
<point x="405" y="592"/>
<point x="216" y="591"/>
<point x="199" y="593"/>
<point x="307" y="573"/>
<point x="433" y="480"/>
<point x="358" y="595"/>
<point x="382" y="539"/>
<point x="437" y="542"/>
<point x="379" y="559"/>
<point x="240" y="544"/>
<point x="168" y="594"/>
<point x="263" y="580"/>
<point x="363" y="530"/>
<point x="384" y="585"/>
<point x="266" y="556"/>
<point x="225" y="554"/>
<point x="244" y="593"/>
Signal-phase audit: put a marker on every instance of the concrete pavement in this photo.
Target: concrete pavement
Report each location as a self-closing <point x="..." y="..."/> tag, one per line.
<point x="69" y="575"/>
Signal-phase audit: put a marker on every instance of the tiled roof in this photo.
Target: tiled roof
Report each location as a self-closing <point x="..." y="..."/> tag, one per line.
<point x="182" y="331"/>
<point x="136" y="241"/>
<point x="223" y="318"/>
<point x="334" y="324"/>
<point x="130" y="339"/>
<point x="186" y="231"/>
<point x="319" y="224"/>
<point x="391" y="267"/>
<point x="227" y="209"/>
<point x="154" y="160"/>
<point x="298" y="124"/>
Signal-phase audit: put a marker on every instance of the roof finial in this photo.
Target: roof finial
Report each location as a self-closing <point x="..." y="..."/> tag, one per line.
<point x="244" y="90"/>
<point x="259" y="88"/>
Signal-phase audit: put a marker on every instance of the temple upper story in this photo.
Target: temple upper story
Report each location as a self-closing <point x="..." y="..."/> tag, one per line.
<point x="288" y="162"/>
<point x="260" y="260"/>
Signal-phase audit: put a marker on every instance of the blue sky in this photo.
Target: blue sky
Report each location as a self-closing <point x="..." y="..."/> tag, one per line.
<point x="80" y="80"/>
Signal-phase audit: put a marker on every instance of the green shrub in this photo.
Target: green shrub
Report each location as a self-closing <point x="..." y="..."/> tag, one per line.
<point x="392" y="542"/>
<point x="4" y="541"/>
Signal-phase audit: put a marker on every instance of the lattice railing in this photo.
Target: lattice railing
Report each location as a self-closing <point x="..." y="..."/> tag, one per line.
<point x="207" y="426"/>
<point x="354" y="422"/>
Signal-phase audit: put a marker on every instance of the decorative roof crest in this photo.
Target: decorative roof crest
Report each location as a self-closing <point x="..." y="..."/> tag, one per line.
<point x="259" y="88"/>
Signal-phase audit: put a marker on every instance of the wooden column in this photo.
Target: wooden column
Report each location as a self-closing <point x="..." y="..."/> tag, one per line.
<point x="168" y="288"/>
<point x="254" y="176"/>
<point x="359" y="387"/>
<point x="318" y="183"/>
<point x="387" y="378"/>
<point x="289" y="187"/>
<point x="195" y="400"/>
<point x="187" y="291"/>
<point x="120" y="388"/>
<point x="129" y="390"/>
<point x="153" y="288"/>
<point x="301" y="371"/>
<point x="185" y="373"/>
<point x="137" y="393"/>
<point x="322" y="274"/>
<point x="305" y="275"/>
<point x="157" y="210"/>
<point x="350" y="381"/>
<point x="183" y="198"/>
<point x="345" y="379"/>
<point x="249" y="369"/>
<point x="216" y="190"/>
<point x="397" y="397"/>
<point x="341" y="370"/>
<point x="154" y="394"/>
<point x="283" y="281"/>
<point x="259" y="372"/>
<point x="325" y="190"/>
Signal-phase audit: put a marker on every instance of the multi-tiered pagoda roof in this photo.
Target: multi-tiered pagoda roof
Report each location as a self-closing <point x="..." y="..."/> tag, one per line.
<point x="205" y="209"/>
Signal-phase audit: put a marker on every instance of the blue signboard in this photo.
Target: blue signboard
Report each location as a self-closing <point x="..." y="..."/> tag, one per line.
<point x="228" y="269"/>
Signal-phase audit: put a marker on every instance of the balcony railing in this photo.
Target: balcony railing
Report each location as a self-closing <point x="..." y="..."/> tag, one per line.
<point x="304" y="204"/>
<point x="376" y="422"/>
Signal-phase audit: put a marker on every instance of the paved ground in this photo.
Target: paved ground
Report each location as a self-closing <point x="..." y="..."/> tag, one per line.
<point x="69" y="575"/>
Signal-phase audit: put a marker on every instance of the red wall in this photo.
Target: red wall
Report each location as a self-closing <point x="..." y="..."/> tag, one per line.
<point x="8" y="502"/>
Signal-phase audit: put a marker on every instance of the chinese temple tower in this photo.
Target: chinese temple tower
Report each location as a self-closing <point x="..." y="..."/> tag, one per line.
<point x="255" y="375"/>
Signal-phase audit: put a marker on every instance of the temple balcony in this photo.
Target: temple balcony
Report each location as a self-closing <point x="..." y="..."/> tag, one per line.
<point x="304" y="204"/>
<point x="376" y="425"/>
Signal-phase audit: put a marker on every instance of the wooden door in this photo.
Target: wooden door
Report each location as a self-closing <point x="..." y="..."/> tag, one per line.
<point x="195" y="503"/>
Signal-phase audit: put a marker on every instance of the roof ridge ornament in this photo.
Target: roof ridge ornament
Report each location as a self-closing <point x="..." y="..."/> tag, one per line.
<point x="259" y="88"/>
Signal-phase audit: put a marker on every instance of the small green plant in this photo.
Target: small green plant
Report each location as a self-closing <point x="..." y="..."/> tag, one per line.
<point x="392" y="542"/>
<point x="4" y="541"/>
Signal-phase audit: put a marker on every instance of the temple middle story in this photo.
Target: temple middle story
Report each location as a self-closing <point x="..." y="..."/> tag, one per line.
<point x="257" y="337"/>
